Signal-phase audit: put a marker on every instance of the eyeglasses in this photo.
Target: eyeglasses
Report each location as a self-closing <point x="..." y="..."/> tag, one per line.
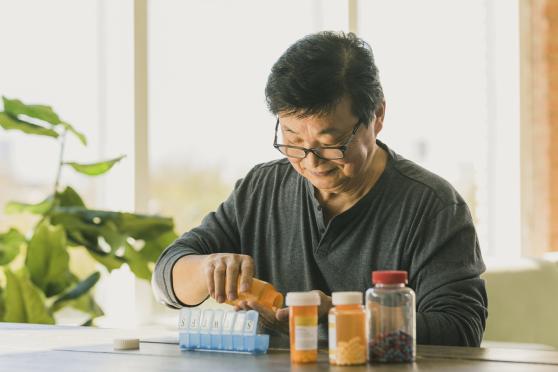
<point x="324" y="153"/>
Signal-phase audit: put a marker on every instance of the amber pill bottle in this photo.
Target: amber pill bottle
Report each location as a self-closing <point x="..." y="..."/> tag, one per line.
<point x="303" y="326"/>
<point x="347" y="329"/>
<point x="262" y="292"/>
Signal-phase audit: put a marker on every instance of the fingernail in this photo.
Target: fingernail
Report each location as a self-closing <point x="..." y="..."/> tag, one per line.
<point x="244" y="288"/>
<point x="221" y="299"/>
<point x="232" y="297"/>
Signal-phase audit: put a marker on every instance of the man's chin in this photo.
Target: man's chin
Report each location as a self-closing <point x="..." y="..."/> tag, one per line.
<point x="325" y="185"/>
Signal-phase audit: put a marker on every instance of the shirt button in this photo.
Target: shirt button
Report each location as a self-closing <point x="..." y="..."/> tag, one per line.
<point x="319" y="208"/>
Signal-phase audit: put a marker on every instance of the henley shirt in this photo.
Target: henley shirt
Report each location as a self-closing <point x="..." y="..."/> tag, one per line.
<point x="410" y="220"/>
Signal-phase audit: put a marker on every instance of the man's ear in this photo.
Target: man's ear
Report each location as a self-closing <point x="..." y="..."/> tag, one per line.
<point x="379" y="120"/>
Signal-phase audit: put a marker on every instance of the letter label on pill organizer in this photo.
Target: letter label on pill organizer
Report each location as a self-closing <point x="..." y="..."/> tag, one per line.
<point x="195" y="319"/>
<point x="228" y="322"/>
<point x="217" y="321"/>
<point x="206" y="319"/>
<point x="239" y="322"/>
<point x="250" y="323"/>
<point x="184" y="318"/>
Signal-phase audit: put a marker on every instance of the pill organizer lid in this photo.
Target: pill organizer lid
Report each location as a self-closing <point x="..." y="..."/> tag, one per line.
<point x="346" y="298"/>
<point x="302" y="299"/>
<point x="389" y="277"/>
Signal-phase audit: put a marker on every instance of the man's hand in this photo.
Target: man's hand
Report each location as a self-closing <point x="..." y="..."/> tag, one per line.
<point x="325" y="305"/>
<point x="279" y="320"/>
<point x="276" y="320"/>
<point x="222" y="272"/>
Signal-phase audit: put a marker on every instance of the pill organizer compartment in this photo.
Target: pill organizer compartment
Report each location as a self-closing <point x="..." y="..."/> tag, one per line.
<point x="221" y="331"/>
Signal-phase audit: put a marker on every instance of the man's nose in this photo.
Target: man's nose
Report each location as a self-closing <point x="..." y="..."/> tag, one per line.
<point x="311" y="160"/>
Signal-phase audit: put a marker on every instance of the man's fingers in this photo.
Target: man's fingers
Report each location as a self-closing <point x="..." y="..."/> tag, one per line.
<point x="232" y="279"/>
<point x="209" y="279"/>
<point x="246" y="274"/>
<point x="219" y="279"/>
<point x="282" y="314"/>
<point x="265" y="314"/>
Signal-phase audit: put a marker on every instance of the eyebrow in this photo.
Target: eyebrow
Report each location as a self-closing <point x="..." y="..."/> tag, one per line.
<point x="324" y="131"/>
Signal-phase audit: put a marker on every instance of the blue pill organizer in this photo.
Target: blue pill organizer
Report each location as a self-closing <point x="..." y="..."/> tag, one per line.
<point x="221" y="331"/>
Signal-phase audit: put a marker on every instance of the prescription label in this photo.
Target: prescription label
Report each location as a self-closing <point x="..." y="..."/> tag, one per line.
<point x="306" y="337"/>
<point x="332" y="335"/>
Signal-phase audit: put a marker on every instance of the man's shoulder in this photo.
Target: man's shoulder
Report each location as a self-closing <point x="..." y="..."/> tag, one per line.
<point x="279" y="167"/>
<point x="282" y="164"/>
<point x="413" y="176"/>
<point x="266" y="175"/>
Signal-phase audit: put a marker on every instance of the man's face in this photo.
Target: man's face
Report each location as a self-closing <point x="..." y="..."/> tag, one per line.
<point x="333" y="130"/>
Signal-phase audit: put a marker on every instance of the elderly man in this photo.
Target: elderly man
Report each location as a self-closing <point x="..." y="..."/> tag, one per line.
<point x="338" y="206"/>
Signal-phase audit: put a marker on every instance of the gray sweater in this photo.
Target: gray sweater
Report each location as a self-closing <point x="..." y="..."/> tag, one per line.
<point x="411" y="220"/>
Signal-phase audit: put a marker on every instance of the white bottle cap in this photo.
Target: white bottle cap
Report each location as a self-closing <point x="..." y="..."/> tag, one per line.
<point x="302" y="299"/>
<point x="126" y="344"/>
<point x="346" y="298"/>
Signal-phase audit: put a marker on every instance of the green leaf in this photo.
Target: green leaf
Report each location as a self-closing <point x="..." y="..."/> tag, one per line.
<point x="39" y="208"/>
<point x="109" y="261"/>
<point x="14" y="107"/>
<point x="72" y="130"/>
<point x="10" y="123"/>
<point x="87" y="304"/>
<point x="84" y="303"/>
<point x="95" y="169"/>
<point x="77" y="290"/>
<point x="135" y="225"/>
<point x="69" y="198"/>
<point x="2" y="304"/>
<point x="24" y="302"/>
<point x="10" y="244"/>
<point x="145" y="227"/>
<point x="137" y="263"/>
<point x="47" y="259"/>
<point x="85" y="227"/>
<point x="154" y="247"/>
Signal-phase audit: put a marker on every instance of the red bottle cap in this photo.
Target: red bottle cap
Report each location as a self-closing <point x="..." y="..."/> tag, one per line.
<point x="389" y="277"/>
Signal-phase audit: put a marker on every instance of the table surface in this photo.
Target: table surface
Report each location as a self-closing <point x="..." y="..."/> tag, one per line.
<point x="83" y="349"/>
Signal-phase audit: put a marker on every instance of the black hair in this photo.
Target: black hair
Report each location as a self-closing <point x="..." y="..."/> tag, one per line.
<point x="317" y="71"/>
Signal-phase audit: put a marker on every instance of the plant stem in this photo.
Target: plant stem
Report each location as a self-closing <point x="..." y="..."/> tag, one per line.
<point x="60" y="160"/>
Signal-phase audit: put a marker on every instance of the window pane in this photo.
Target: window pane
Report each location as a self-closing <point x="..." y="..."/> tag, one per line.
<point x="450" y="75"/>
<point x="50" y="57"/>
<point x="209" y="123"/>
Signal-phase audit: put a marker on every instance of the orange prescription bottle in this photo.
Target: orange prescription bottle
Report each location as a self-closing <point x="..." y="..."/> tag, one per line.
<point x="347" y="329"/>
<point x="303" y="326"/>
<point x="262" y="292"/>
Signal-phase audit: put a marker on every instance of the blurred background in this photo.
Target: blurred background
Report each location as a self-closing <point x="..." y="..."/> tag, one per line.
<point x="178" y="86"/>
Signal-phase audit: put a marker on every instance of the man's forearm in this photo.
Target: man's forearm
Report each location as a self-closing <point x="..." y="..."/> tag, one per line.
<point x="439" y="328"/>
<point x="188" y="280"/>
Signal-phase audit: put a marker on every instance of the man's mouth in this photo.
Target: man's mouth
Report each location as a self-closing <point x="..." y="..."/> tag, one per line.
<point x="321" y="173"/>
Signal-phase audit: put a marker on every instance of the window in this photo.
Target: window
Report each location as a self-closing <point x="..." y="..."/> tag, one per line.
<point x="449" y="71"/>
<point x="451" y="79"/>
<point x="208" y="68"/>
<point x="45" y="62"/>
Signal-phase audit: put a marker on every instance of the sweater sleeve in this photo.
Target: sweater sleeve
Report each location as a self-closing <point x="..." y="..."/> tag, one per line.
<point x="445" y="274"/>
<point x="218" y="233"/>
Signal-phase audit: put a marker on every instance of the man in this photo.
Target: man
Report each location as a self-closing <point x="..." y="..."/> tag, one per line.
<point x="338" y="206"/>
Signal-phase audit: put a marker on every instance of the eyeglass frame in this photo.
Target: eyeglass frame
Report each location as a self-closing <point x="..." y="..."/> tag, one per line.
<point x="315" y="150"/>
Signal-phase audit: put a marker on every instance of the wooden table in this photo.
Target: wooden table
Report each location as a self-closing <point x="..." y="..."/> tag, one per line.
<point x="82" y="349"/>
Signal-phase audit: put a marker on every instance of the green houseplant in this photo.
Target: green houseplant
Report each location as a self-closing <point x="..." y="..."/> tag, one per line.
<point x="36" y="277"/>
